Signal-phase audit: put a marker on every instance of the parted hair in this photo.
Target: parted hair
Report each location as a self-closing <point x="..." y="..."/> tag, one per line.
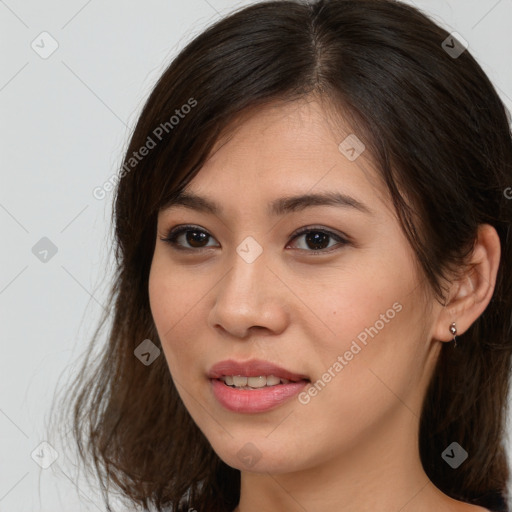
<point x="438" y="134"/>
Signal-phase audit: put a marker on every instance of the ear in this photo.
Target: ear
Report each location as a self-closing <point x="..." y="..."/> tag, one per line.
<point x="469" y="296"/>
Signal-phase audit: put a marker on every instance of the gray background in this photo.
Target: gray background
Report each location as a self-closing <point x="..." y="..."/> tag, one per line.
<point x="65" y="123"/>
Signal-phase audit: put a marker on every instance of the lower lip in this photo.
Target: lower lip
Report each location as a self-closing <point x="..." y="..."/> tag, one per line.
<point x="254" y="400"/>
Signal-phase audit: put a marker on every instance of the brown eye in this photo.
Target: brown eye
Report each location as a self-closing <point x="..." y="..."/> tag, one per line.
<point x="188" y="238"/>
<point x="196" y="238"/>
<point x="318" y="240"/>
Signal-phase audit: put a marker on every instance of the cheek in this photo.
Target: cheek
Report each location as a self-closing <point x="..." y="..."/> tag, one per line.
<point x="374" y="319"/>
<point x="172" y="304"/>
<point x="375" y="361"/>
<point x="360" y="305"/>
<point x="160" y="298"/>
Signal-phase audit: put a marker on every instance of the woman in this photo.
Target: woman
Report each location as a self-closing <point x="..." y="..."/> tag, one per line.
<point x="314" y="286"/>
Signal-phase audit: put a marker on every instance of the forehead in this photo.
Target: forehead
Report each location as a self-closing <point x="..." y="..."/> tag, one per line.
<point x="284" y="156"/>
<point x="292" y="139"/>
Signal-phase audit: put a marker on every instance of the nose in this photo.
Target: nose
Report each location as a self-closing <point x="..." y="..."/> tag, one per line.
<point x="250" y="298"/>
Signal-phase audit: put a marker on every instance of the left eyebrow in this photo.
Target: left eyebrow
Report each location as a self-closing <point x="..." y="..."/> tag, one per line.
<point x="300" y="202"/>
<point x="278" y="207"/>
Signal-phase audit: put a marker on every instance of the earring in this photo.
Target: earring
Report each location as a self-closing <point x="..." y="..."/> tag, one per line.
<point x="453" y="330"/>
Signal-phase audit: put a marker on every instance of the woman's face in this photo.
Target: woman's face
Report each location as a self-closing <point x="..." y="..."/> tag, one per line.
<point x="341" y="305"/>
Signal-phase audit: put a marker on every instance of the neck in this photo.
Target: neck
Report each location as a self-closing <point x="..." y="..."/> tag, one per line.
<point x="382" y="473"/>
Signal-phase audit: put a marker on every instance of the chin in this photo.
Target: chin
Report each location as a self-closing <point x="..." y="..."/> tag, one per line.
<point x="257" y="455"/>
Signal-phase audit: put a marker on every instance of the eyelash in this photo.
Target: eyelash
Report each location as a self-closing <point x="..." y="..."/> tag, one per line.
<point x="175" y="232"/>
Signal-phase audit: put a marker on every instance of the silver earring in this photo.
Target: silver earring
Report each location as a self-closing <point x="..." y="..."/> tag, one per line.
<point x="453" y="330"/>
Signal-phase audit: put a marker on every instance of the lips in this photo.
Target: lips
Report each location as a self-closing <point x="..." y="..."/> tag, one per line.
<point x="252" y="368"/>
<point x="253" y="400"/>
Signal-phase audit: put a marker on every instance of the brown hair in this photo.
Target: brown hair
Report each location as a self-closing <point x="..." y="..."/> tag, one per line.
<point x="435" y="128"/>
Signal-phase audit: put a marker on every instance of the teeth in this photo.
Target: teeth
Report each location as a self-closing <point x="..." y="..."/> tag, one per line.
<point x="258" y="382"/>
<point x="239" y="381"/>
<point x="272" y="380"/>
<point x="262" y="381"/>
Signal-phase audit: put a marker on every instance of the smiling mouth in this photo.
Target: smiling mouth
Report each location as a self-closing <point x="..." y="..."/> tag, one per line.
<point x="262" y="381"/>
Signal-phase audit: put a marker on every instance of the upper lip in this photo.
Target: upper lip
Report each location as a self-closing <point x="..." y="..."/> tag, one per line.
<point x="252" y="368"/>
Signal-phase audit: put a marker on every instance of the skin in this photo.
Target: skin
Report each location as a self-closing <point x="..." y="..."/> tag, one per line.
<point x="354" y="446"/>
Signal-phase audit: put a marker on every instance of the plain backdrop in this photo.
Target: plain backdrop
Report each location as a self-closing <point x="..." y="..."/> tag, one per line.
<point x="65" y="121"/>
